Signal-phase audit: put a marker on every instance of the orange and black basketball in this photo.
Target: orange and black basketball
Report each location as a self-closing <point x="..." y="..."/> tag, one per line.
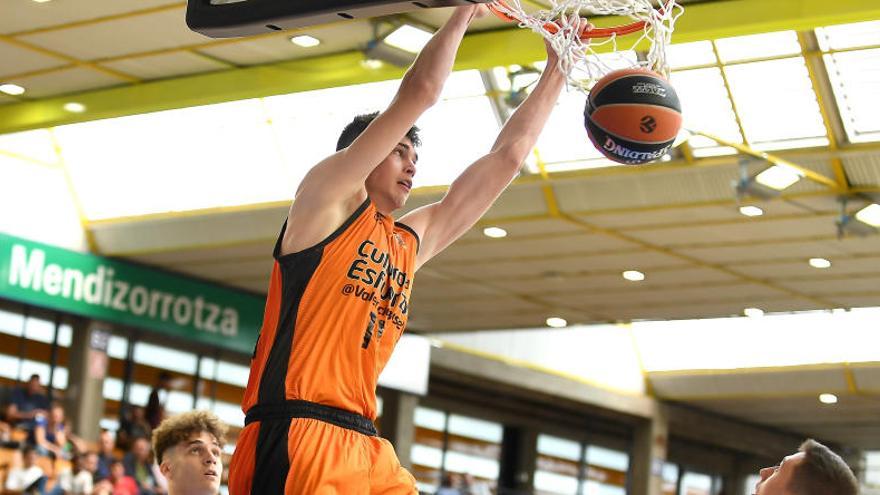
<point x="633" y="116"/>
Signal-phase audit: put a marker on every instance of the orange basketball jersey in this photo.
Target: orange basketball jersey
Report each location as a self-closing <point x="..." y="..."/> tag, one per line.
<point x="333" y="315"/>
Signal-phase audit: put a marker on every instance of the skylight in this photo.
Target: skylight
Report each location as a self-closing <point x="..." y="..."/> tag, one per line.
<point x="855" y="79"/>
<point x="776" y="104"/>
<point x="730" y="343"/>
<point x="706" y="107"/>
<point x="757" y="46"/>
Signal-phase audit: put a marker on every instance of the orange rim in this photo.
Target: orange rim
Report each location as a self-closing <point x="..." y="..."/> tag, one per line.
<point x="588" y="33"/>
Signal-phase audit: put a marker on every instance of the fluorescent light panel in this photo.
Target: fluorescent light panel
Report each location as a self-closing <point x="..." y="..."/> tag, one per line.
<point x="556" y="322"/>
<point x="74" y="107"/>
<point x="870" y="215"/>
<point x="828" y="398"/>
<point x="820" y="263"/>
<point x="409" y="38"/>
<point x="11" y="89"/>
<point x="753" y="312"/>
<point x="751" y="211"/>
<point x="779" y="177"/>
<point x="634" y="275"/>
<point x="494" y="232"/>
<point x="305" y="41"/>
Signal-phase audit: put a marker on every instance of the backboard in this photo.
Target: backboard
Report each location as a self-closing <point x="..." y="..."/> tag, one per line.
<point x="232" y="18"/>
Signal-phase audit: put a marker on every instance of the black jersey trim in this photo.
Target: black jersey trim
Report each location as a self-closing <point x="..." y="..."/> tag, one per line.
<point x="276" y="253"/>
<point x="411" y="231"/>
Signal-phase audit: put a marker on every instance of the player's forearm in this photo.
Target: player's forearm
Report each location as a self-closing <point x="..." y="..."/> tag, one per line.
<point x="519" y="135"/>
<point x="434" y="63"/>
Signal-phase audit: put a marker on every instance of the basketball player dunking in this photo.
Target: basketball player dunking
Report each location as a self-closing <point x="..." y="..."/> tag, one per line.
<point x="339" y="292"/>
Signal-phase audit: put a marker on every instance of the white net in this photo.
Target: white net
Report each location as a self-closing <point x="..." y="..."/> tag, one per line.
<point x="579" y="59"/>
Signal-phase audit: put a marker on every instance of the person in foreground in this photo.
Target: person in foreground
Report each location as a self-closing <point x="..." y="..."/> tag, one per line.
<point x="188" y="448"/>
<point x="339" y="293"/>
<point x="813" y="470"/>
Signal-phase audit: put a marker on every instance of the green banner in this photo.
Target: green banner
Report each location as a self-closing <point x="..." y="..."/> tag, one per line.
<point x="126" y="293"/>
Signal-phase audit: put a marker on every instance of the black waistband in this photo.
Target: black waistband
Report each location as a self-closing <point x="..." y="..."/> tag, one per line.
<point x="305" y="409"/>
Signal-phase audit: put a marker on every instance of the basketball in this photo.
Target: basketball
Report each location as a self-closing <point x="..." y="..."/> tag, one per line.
<point x="632" y="116"/>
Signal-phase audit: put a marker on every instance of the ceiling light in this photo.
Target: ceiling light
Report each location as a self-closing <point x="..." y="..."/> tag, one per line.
<point x="753" y="312"/>
<point x="42" y="1"/>
<point x="371" y="63"/>
<point x="751" y="211"/>
<point x="779" y="177"/>
<point x="74" y="107"/>
<point x="11" y="89"/>
<point x="828" y="398"/>
<point x="305" y="41"/>
<point x="494" y="232"/>
<point x="820" y="263"/>
<point x="869" y="215"/>
<point x="634" y="275"/>
<point x="409" y="38"/>
<point x="556" y="322"/>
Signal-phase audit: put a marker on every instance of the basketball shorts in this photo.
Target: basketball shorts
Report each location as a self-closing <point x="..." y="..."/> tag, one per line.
<point x="303" y="448"/>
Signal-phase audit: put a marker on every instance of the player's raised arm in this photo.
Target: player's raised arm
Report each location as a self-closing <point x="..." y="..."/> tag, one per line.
<point x="419" y="90"/>
<point x="474" y="191"/>
<point x="332" y="189"/>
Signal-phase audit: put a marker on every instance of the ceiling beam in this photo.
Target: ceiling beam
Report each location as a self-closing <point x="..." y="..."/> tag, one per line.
<point x="702" y="21"/>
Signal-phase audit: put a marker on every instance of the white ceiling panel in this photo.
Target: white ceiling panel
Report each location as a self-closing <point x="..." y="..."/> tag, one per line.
<point x="689" y="214"/>
<point x="643" y="260"/>
<point x="649" y="188"/>
<point x="337" y="37"/>
<point x="31" y="15"/>
<point x="19" y="60"/>
<point x="542" y="247"/>
<point x="239" y="251"/>
<point x="745" y="252"/>
<point x="742" y="293"/>
<point x="748" y="383"/>
<point x="519" y="200"/>
<point x="65" y="81"/>
<point x="530" y="228"/>
<point x="165" y="65"/>
<point x="120" y="37"/>
<point x="757" y="229"/>
<point x="718" y="309"/>
<point x="831" y="286"/>
<point x="863" y="171"/>
<point x="784" y="268"/>
<point x="231" y="270"/>
<point x="170" y="234"/>
<point x="867" y="377"/>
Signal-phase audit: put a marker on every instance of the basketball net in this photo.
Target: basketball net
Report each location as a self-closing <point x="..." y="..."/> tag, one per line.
<point x="578" y="48"/>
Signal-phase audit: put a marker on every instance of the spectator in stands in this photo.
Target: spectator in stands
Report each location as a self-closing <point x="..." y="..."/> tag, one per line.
<point x="80" y="481"/>
<point x="188" y="448"/>
<point x="52" y="434"/>
<point x="106" y="454"/>
<point x="5" y="425"/>
<point x="450" y="484"/>
<point x="814" y="469"/>
<point x="473" y="486"/>
<point x="27" y="402"/>
<point x="26" y="477"/>
<point x="156" y="403"/>
<point x="118" y="483"/>
<point x="139" y="465"/>
<point x="132" y="425"/>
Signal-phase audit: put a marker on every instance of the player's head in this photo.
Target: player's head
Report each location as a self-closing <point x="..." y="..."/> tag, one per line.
<point x="188" y="448"/>
<point x="813" y="470"/>
<point x="390" y="182"/>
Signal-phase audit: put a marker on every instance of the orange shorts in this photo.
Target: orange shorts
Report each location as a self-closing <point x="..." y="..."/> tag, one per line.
<point x="318" y="459"/>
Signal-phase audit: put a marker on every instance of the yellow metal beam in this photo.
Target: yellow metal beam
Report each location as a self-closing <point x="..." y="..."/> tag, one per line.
<point x="776" y="160"/>
<point x="708" y="20"/>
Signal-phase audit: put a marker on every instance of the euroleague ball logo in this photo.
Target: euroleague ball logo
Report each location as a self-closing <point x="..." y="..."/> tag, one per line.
<point x="647" y="124"/>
